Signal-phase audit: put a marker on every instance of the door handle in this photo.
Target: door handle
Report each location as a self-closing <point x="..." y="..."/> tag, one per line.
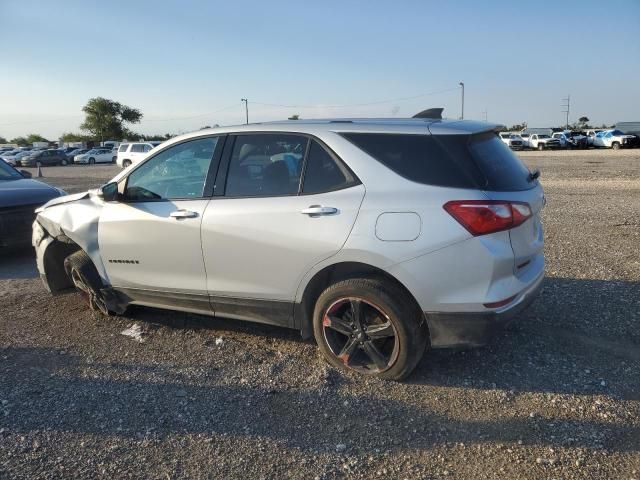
<point x="183" y="214"/>
<point x="318" y="210"/>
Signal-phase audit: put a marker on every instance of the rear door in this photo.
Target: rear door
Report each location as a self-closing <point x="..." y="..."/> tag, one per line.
<point x="508" y="179"/>
<point x="266" y="227"/>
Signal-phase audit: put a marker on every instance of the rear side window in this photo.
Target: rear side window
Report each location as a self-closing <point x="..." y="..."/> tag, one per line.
<point x="123" y="147"/>
<point x="137" y="148"/>
<point x="420" y="158"/>
<point x="502" y="168"/>
<point x="265" y="165"/>
<point x="480" y="161"/>
<point x="324" y="173"/>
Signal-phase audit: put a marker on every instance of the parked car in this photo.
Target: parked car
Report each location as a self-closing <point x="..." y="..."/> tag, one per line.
<point x="132" y="153"/>
<point x="271" y="223"/>
<point x="512" y="141"/>
<point x="38" y="158"/>
<point x="95" y="155"/>
<point x="614" y="139"/>
<point x="19" y="198"/>
<point x="569" y="139"/>
<point x="14" y="160"/>
<point x="542" y="141"/>
<point x="591" y="136"/>
<point x="78" y="151"/>
<point x="526" y="140"/>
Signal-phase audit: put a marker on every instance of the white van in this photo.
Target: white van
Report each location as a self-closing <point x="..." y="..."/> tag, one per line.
<point x="131" y="153"/>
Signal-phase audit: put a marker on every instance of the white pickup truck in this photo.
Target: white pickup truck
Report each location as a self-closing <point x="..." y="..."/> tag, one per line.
<point x="542" y="141"/>
<point x="512" y="140"/>
<point x="614" y="139"/>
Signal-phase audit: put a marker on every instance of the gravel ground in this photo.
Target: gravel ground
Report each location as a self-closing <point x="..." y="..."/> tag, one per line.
<point x="557" y="395"/>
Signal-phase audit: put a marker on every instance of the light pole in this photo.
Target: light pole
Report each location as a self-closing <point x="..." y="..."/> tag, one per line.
<point x="462" y="114"/>
<point x="246" y="108"/>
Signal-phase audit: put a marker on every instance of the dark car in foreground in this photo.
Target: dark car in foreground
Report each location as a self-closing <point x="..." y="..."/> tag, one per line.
<point x="19" y="197"/>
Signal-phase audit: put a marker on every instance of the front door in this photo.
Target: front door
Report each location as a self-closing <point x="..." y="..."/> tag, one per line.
<point x="270" y="228"/>
<point x="150" y="240"/>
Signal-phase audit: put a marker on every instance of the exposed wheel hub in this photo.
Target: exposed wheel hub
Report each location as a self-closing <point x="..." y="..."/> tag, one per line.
<point x="361" y="335"/>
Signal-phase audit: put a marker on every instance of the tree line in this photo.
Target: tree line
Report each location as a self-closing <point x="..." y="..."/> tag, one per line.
<point x="104" y="120"/>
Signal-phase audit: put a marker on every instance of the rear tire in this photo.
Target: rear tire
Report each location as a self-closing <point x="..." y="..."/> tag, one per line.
<point x="92" y="161"/>
<point x="126" y="163"/>
<point x="113" y="159"/>
<point x="541" y="146"/>
<point x="64" y="162"/>
<point x="615" y="146"/>
<point x="86" y="279"/>
<point x="370" y="326"/>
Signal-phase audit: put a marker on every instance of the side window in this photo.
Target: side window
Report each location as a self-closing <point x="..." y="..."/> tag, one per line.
<point x="123" y="147"/>
<point x="323" y="173"/>
<point x="265" y="165"/>
<point x="137" y="148"/>
<point x="146" y="148"/>
<point x="177" y="172"/>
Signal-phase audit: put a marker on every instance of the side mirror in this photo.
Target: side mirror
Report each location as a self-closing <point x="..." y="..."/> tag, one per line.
<point x="109" y="192"/>
<point x="25" y="174"/>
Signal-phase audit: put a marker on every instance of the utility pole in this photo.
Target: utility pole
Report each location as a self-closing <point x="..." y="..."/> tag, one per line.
<point x="246" y="108"/>
<point x="567" y="105"/>
<point x="462" y="114"/>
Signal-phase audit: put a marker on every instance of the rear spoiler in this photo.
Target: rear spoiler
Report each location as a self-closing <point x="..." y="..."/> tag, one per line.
<point x="435" y="113"/>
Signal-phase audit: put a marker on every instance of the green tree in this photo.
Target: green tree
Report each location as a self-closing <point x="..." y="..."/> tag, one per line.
<point x="105" y="119"/>
<point x="294" y="117"/>
<point x="20" y="141"/>
<point x="3" y="140"/>
<point x="34" y="137"/>
<point x="69" y="137"/>
<point x="28" y="140"/>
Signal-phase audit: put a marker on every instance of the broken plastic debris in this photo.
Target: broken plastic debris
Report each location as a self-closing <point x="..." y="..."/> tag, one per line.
<point x="135" y="332"/>
<point x="219" y="341"/>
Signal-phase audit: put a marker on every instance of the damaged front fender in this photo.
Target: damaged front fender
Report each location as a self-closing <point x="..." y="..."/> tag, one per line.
<point x="73" y="221"/>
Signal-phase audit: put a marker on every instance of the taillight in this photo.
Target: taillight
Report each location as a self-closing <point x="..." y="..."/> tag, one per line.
<point x="481" y="217"/>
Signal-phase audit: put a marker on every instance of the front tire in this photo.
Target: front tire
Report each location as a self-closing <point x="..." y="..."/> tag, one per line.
<point x="92" y="161"/>
<point x="86" y="279"/>
<point x="64" y="162"/>
<point x="370" y="326"/>
<point x="541" y="146"/>
<point x="615" y="146"/>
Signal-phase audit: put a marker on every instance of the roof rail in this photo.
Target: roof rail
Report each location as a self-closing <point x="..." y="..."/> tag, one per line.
<point x="435" y="113"/>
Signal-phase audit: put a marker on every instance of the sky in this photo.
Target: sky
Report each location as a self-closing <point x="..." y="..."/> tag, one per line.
<point x="186" y="64"/>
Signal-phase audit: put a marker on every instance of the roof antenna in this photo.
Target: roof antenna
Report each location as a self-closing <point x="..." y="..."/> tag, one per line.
<point x="435" y="113"/>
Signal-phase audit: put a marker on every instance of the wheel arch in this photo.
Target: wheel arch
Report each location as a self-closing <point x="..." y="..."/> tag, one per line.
<point x="303" y="309"/>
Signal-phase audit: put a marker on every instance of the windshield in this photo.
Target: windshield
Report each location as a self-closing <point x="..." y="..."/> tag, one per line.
<point x="544" y="136"/>
<point x="617" y="132"/>
<point x="8" y="173"/>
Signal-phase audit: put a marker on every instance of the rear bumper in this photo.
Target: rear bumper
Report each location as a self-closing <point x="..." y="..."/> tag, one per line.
<point x="470" y="329"/>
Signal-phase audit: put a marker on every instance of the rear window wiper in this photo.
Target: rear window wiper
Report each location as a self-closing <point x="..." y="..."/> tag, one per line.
<point x="533" y="175"/>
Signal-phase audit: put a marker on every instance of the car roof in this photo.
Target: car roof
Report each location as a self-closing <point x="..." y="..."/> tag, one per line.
<point x="354" y="125"/>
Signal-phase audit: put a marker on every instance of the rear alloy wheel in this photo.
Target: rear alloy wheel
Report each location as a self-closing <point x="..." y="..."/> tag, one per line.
<point x="92" y="161"/>
<point x="615" y="146"/>
<point x="370" y="326"/>
<point x="126" y="163"/>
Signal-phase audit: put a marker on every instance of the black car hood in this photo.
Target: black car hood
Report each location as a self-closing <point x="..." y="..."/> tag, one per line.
<point x="25" y="191"/>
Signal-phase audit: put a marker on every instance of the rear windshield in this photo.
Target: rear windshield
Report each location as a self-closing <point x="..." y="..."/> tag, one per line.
<point x="457" y="161"/>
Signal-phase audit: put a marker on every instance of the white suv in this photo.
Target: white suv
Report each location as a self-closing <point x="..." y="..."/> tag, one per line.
<point x="132" y="153"/>
<point x="377" y="237"/>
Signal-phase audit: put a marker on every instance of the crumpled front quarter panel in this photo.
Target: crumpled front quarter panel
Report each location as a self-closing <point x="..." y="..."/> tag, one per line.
<point x="79" y="221"/>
